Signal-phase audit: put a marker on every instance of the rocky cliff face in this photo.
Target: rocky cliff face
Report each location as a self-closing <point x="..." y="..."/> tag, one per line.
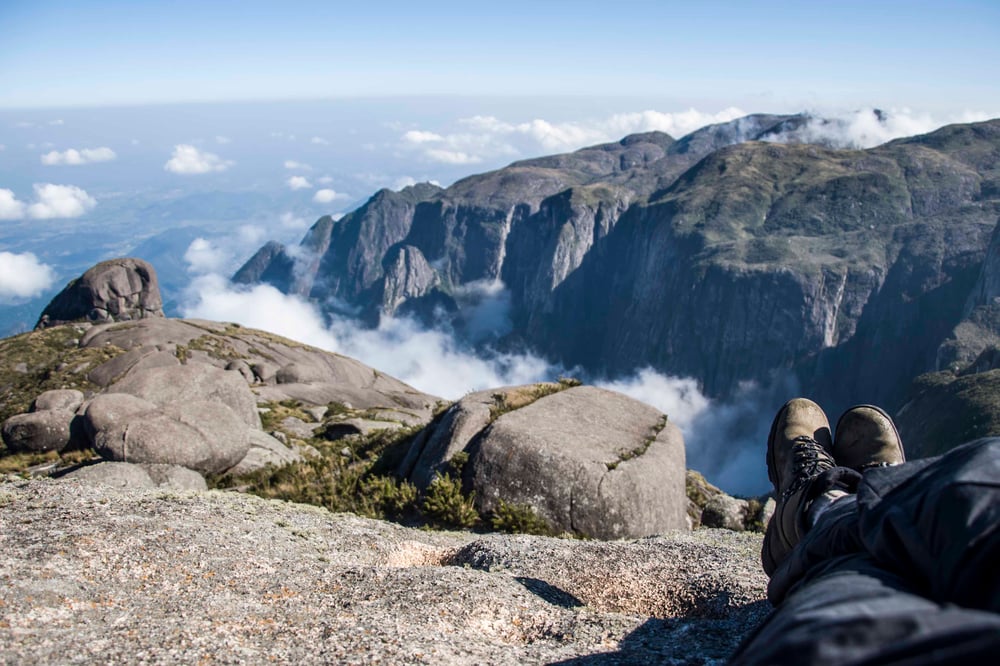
<point x="717" y="256"/>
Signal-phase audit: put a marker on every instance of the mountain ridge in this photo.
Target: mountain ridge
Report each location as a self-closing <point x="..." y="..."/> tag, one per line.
<point x="729" y="262"/>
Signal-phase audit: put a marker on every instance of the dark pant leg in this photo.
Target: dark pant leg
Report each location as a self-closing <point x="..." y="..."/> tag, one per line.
<point x="937" y="523"/>
<point x="848" y="610"/>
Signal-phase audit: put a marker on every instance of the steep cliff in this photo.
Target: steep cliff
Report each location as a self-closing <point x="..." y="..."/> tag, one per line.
<point x="735" y="253"/>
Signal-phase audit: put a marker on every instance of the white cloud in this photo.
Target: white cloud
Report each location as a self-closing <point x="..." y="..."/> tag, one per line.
<point x="403" y="182"/>
<point x="292" y="164"/>
<point x="324" y="180"/>
<point x="298" y="183"/>
<point x="204" y="257"/>
<point x="59" y="201"/>
<point x="23" y="276"/>
<point x="319" y="141"/>
<point x="428" y="360"/>
<point x="187" y="160"/>
<point x="418" y="136"/>
<point x="485" y="137"/>
<point x="867" y="127"/>
<point x="678" y="397"/>
<point x="10" y="207"/>
<point x="222" y="140"/>
<point x="291" y="221"/>
<point x="251" y="235"/>
<point x="73" y="157"/>
<point x="56" y="122"/>
<point x="263" y="306"/>
<point x="327" y="195"/>
<point x="452" y="156"/>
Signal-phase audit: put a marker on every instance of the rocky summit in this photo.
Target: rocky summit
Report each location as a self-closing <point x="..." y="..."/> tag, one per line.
<point x="113" y="548"/>
<point x="737" y="253"/>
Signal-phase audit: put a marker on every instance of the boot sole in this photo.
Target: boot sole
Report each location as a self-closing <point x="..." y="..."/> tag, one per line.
<point x="895" y="431"/>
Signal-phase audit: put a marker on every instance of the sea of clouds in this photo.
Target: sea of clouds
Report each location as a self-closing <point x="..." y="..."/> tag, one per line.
<point x="724" y="440"/>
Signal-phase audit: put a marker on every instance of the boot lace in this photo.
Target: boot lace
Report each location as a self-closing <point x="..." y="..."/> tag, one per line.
<point x="809" y="459"/>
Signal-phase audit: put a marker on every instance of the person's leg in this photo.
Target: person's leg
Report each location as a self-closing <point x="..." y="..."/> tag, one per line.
<point x="848" y="610"/>
<point x="937" y="522"/>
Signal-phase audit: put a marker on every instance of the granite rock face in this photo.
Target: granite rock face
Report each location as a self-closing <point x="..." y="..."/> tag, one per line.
<point x="586" y="460"/>
<point x="122" y="574"/>
<point x="737" y="253"/>
<point x="115" y="290"/>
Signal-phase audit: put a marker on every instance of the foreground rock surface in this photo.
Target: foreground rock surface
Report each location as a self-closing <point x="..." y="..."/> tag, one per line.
<point x="166" y="577"/>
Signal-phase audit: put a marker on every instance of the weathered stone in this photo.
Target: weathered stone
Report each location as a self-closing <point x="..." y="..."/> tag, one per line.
<point x="37" y="432"/>
<point x="195" y="382"/>
<point x="64" y="399"/>
<point x="264" y="371"/>
<point x="435" y="446"/>
<point x="264" y="450"/>
<point x="337" y="429"/>
<point x="725" y="512"/>
<point x="134" y="360"/>
<point x="115" y="290"/>
<point x="293" y="425"/>
<point x="317" y="412"/>
<point x="114" y="474"/>
<point x="241" y="367"/>
<point x="408" y="275"/>
<point x="110" y="410"/>
<point x="175" y="477"/>
<point x="204" y="436"/>
<point x="349" y="589"/>
<point x="588" y="461"/>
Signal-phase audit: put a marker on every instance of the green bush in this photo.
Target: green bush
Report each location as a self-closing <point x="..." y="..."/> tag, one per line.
<point x="519" y="519"/>
<point x="445" y="505"/>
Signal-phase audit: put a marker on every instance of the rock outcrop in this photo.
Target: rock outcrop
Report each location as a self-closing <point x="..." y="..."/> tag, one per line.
<point x="94" y="573"/>
<point x="114" y="290"/>
<point x="178" y="392"/>
<point x="585" y="460"/>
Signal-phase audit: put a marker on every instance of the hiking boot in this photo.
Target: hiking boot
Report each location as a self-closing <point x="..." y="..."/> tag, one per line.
<point x="866" y="438"/>
<point x="798" y="450"/>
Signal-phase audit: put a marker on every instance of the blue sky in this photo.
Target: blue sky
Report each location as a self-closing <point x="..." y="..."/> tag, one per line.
<point x="935" y="56"/>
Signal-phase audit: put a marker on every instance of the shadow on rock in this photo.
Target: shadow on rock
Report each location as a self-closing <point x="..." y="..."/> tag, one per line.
<point x="681" y="641"/>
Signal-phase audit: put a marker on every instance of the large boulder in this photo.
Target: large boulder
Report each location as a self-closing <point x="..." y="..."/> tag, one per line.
<point x="264" y="450"/>
<point x="193" y="382"/>
<point x="65" y="399"/>
<point x="51" y="425"/>
<point x="204" y="436"/>
<point x="115" y="290"/>
<point x="38" y="432"/>
<point x="585" y="460"/>
<point x="128" y="475"/>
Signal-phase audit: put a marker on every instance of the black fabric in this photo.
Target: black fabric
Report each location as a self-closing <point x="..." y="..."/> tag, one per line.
<point x="905" y="572"/>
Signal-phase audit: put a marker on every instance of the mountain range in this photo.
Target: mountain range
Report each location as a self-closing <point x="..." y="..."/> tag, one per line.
<point x="738" y="253"/>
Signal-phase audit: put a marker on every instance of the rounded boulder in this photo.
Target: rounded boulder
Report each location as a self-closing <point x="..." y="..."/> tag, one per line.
<point x="38" y="432"/>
